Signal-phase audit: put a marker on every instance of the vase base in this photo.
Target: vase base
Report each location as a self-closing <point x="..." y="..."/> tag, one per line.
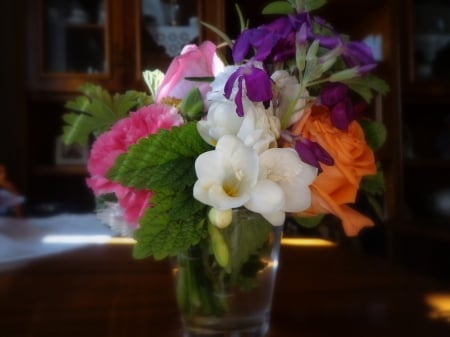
<point x="256" y="331"/>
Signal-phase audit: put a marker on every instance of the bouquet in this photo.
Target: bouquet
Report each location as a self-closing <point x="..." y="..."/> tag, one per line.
<point x="278" y="129"/>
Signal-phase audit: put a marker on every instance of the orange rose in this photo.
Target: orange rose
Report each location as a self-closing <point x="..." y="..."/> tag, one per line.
<point x="337" y="185"/>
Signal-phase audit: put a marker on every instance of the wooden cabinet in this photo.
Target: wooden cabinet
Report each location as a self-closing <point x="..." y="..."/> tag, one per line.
<point x="106" y="42"/>
<point x="421" y="239"/>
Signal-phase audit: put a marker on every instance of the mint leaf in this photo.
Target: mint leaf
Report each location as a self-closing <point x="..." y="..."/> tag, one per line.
<point x="175" y="222"/>
<point x="162" y="160"/>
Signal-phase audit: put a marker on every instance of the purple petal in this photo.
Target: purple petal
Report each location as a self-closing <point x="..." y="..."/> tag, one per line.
<point x="230" y="83"/>
<point x="258" y="85"/>
<point x="238" y="99"/>
<point x="312" y="153"/>
<point x="333" y="93"/>
<point x="342" y="114"/>
<point x="358" y="53"/>
<point x="241" y="46"/>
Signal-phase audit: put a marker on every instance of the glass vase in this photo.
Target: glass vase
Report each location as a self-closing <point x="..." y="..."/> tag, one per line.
<point x="219" y="296"/>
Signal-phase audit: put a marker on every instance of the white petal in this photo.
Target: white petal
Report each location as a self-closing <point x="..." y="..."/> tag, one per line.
<point x="266" y="197"/>
<point x="275" y="218"/>
<point x="227" y="174"/>
<point x="298" y="195"/>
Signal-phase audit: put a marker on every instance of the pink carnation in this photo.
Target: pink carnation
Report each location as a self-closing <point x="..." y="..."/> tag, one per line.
<point x="194" y="61"/>
<point x="126" y="132"/>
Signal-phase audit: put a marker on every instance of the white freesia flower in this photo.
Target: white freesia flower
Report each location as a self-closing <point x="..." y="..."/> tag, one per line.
<point x="288" y="91"/>
<point x="226" y="175"/>
<point x="283" y="185"/>
<point x="258" y="128"/>
<point x="218" y="86"/>
<point x="221" y="120"/>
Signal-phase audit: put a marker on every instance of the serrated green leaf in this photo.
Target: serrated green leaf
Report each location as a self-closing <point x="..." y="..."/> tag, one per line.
<point x="162" y="160"/>
<point x="278" y="7"/>
<point x="95" y="111"/>
<point x="170" y="226"/>
<point x="375" y="133"/>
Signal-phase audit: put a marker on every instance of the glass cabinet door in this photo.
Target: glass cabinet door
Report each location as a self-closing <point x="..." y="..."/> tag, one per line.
<point x="166" y="26"/>
<point x="430" y="39"/>
<point x="74" y="36"/>
<point x="70" y="43"/>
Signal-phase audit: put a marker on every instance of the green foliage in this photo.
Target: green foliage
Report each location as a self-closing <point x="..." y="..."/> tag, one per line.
<point x="366" y="85"/>
<point x="375" y="133"/>
<point x="192" y="105"/>
<point x="373" y="184"/>
<point x="288" y="6"/>
<point x="164" y="163"/>
<point x="309" y="221"/>
<point x="278" y="7"/>
<point x="153" y="80"/>
<point x="221" y="34"/>
<point x="95" y="111"/>
<point x="162" y="160"/>
<point x="175" y="222"/>
<point x="246" y="238"/>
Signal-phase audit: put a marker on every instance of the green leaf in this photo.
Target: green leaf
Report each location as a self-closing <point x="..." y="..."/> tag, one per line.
<point x="170" y="226"/>
<point x="309" y="221"/>
<point x="192" y="105"/>
<point x="153" y="80"/>
<point x="221" y="34"/>
<point x="278" y="7"/>
<point x="95" y="111"/>
<point x="376" y="206"/>
<point x="375" y="133"/>
<point x="244" y="239"/>
<point x="373" y="184"/>
<point x="162" y="160"/>
<point x="311" y="5"/>
<point x="242" y="23"/>
<point x="364" y="85"/>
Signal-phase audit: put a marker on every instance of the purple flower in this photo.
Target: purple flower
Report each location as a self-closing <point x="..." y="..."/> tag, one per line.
<point x="358" y="54"/>
<point x="274" y="41"/>
<point x="342" y="114"/>
<point x="333" y="93"/>
<point x="312" y="153"/>
<point x="257" y="84"/>
<point x="335" y="97"/>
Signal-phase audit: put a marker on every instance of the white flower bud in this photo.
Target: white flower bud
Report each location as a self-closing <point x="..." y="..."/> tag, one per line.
<point x="220" y="219"/>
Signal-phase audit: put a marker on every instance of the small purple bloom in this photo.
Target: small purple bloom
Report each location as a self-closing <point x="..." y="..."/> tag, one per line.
<point x="332" y="93"/>
<point x="257" y="82"/>
<point x="342" y="114"/>
<point x="312" y="153"/>
<point x="357" y="54"/>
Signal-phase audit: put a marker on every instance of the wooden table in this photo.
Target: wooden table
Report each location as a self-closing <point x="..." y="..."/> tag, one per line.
<point x="99" y="290"/>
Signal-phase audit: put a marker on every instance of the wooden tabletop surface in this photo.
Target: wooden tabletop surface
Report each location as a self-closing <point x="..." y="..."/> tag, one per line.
<point x="99" y="290"/>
